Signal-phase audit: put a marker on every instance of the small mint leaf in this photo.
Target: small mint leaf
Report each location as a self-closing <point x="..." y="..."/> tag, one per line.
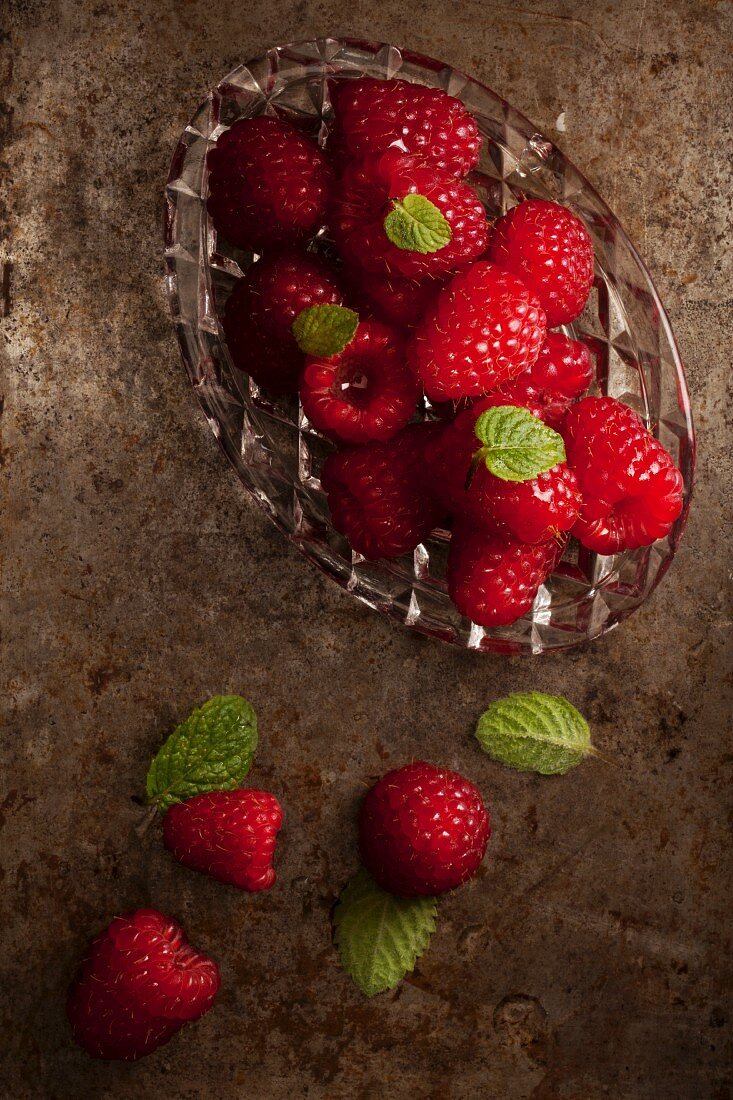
<point x="211" y="751"/>
<point x="534" y="732"/>
<point x="416" y="225"/>
<point x="323" y="331"/>
<point x="516" y="445"/>
<point x="379" y="936"/>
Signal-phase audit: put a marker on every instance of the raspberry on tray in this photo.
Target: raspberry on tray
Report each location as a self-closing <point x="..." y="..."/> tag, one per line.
<point x="138" y="984"/>
<point x="230" y="835"/>
<point x="423" y="830"/>
<point x="400" y="302"/>
<point x="533" y="510"/>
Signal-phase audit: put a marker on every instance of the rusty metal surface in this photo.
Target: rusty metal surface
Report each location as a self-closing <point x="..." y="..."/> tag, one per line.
<point x="590" y="958"/>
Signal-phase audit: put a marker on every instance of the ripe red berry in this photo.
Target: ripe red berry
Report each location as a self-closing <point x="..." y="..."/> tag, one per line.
<point x="372" y="115"/>
<point x="229" y="835"/>
<point x="365" y="392"/>
<point x="562" y="373"/>
<point x="564" y="367"/>
<point x="399" y="302"/>
<point x="484" y="329"/>
<point x="362" y="201"/>
<point x="269" y="184"/>
<point x="260" y="311"/>
<point x="377" y="494"/>
<point x="423" y="830"/>
<point x="550" y="249"/>
<point x="494" y="582"/>
<point x="632" y="491"/>
<point x="528" y="511"/>
<point x="532" y="511"/>
<point x="139" y="983"/>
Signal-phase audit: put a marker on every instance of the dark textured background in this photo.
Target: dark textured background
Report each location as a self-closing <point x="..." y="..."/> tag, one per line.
<point x="589" y="959"/>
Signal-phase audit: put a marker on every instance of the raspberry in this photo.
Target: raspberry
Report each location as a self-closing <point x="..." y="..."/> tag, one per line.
<point x="530" y="511"/>
<point x="372" y="115"/>
<point x="632" y="491"/>
<point x="399" y="302"/>
<point x="139" y="984"/>
<point x="362" y="201"/>
<point x="366" y="392"/>
<point x="494" y="582"/>
<point x="449" y="453"/>
<point x="229" y="835"/>
<point x="377" y="495"/>
<point x="260" y="311"/>
<point x="550" y="249"/>
<point x="484" y="329"/>
<point x="269" y="184"/>
<point x="564" y="366"/>
<point x="423" y="830"/>
<point x="562" y="373"/>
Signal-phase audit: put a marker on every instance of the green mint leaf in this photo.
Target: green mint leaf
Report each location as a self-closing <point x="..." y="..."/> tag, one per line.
<point x="516" y="445"/>
<point x="416" y="225"/>
<point x="534" y="732"/>
<point x="211" y="751"/>
<point x="379" y="936"/>
<point x="324" y="331"/>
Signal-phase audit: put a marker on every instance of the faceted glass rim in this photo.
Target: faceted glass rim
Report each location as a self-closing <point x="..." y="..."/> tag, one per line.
<point x="530" y="634"/>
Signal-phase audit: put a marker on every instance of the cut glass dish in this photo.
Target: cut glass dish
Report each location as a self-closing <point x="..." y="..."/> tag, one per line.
<point x="278" y="456"/>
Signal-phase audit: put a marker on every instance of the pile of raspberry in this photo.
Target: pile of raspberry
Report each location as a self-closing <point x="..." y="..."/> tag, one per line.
<point x="385" y="298"/>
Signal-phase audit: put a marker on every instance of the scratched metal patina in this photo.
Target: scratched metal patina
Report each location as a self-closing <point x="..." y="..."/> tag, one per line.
<point x="589" y="958"/>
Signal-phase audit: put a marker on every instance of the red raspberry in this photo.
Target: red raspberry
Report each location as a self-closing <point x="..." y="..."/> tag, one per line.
<point x="550" y="249"/>
<point x="269" y="184"/>
<point x="530" y="511"/>
<point x="632" y="491"/>
<point x="449" y="453"/>
<point x="139" y="984"/>
<point x="372" y="115"/>
<point x="229" y="835"/>
<point x="494" y="582"/>
<point x="399" y="302"/>
<point x="260" y="311"/>
<point x="362" y="202"/>
<point x="366" y="392"/>
<point x="562" y="373"/>
<point x="484" y="329"/>
<point x="377" y="495"/>
<point x="564" y="367"/>
<point x="423" y="830"/>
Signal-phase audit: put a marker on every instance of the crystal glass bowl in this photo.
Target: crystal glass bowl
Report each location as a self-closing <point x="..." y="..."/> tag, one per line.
<point x="277" y="454"/>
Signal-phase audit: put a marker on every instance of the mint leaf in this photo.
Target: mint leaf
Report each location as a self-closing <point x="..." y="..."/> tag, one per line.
<point x="379" y="936"/>
<point x="211" y="751"/>
<point x="516" y="445"/>
<point x="534" y="732"/>
<point x="324" y="331"/>
<point x="416" y="225"/>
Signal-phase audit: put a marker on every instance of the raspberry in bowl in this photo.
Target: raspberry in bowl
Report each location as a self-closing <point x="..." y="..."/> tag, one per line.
<point x="574" y="320"/>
